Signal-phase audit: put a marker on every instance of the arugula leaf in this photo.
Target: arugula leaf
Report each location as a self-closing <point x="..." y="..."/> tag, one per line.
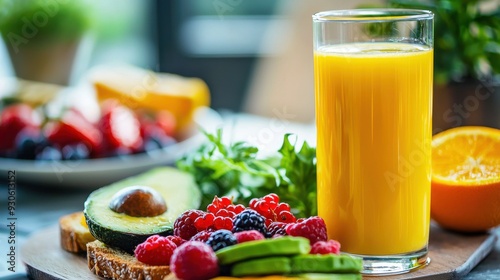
<point x="235" y="170"/>
<point x="300" y="172"/>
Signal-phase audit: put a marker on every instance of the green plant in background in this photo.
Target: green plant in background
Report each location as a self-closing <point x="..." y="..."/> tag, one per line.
<point x="43" y="20"/>
<point x="466" y="38"/>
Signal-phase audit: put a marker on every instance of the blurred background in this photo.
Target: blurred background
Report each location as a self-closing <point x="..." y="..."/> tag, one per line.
<point x="255" y="56"/>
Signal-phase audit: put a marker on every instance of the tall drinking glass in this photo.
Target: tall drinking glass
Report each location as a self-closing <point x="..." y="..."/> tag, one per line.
<point x="373" y="86"/>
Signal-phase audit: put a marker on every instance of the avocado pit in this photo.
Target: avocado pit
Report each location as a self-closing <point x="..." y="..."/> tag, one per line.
<point x="138" y="201"/>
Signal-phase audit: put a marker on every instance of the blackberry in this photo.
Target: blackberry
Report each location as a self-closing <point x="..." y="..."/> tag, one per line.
<point x="221" y="239"/>
<point x="248" y="220"/>
<point x="276" y="228"/>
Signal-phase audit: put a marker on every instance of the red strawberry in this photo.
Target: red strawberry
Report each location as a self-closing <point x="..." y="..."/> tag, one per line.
<point x="120" y="127"/>
<point x="13" y="119"/>
<point x="73" y="128"/>
<point x="160" y="125"/>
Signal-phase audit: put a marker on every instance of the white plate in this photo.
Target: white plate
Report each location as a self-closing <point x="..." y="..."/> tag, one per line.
<point x="94" y="173"/>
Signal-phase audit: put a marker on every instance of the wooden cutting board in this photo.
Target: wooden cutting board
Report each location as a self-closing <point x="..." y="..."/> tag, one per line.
<point x="452" y="256"/>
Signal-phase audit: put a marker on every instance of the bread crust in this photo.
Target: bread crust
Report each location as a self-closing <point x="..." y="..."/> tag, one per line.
<point x="117" y="265"/>
<point x="73" y="235"/>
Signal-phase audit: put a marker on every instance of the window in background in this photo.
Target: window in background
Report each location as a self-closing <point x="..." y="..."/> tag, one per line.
<point x="218" y="41"/>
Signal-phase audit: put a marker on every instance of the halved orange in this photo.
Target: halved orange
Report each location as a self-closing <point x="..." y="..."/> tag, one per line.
<point x="466" y="178"/>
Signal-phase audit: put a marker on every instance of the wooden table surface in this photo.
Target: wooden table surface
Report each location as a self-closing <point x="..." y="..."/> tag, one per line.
<point x="38" y="209"/>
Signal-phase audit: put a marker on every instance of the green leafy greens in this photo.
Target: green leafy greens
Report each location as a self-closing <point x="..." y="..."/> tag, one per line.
<point x="236" y="170"/>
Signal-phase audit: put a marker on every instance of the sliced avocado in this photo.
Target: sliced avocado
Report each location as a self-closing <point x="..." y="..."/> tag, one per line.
<point x="263" y="266"/>
<point x="330" y="276"/>
<point x="178" y="189"/>
<point x="283" y="246"/>
<point x="329" y="263"/>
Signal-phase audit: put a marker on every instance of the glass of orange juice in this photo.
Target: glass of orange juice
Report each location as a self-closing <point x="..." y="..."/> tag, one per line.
<point x="373" y="87"/>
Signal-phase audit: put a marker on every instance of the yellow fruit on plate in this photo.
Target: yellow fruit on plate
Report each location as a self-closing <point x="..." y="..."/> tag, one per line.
<point x="466" y="178"/>
<point x="141" y="89"/>
<point x="32" y="93"/>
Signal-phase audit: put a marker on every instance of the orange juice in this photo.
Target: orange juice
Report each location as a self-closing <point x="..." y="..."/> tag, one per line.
<point x="373" y="116"/>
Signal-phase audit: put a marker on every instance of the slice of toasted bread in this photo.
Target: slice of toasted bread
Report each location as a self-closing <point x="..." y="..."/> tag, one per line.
<point x="116" y="264"/>
<point x="74" y="233"/>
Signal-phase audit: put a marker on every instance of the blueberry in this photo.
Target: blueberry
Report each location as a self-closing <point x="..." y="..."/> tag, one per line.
<point x="42" y="143"/>
<point x="75" y="152"/>
<point x="49" y="153"/>
<point x="26" y="148"/>
<point x="26" y="143"/>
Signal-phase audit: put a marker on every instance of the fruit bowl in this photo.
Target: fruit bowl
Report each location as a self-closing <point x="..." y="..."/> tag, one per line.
<point x="465" y="194"/>
<point x="94" y="173"/>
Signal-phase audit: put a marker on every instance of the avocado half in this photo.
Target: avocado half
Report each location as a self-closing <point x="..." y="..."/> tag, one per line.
<point x="178" y="189"/>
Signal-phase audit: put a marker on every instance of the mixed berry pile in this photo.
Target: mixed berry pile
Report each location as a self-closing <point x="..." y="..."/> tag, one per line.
<point x="199" y="234"/>
<point x="28" y="134"/>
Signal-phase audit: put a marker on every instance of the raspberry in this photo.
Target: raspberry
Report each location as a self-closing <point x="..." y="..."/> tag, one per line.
<point x="312" y="228"/>
<point x="194" y="260"/>
<point x="276" y="228"/>
<point x="221" y="239"/>
<point x="201" y="236"/>
<point x="326" y="247"/>
<point x="176" y="239"/>
<point x="156" y="250"/>
<point x="248" y="220"/>
<point x="249" y="235"/>
<point x="184" y="225"/>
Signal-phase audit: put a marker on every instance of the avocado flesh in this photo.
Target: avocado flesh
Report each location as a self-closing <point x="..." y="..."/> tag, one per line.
<point x="125" y="232"/>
